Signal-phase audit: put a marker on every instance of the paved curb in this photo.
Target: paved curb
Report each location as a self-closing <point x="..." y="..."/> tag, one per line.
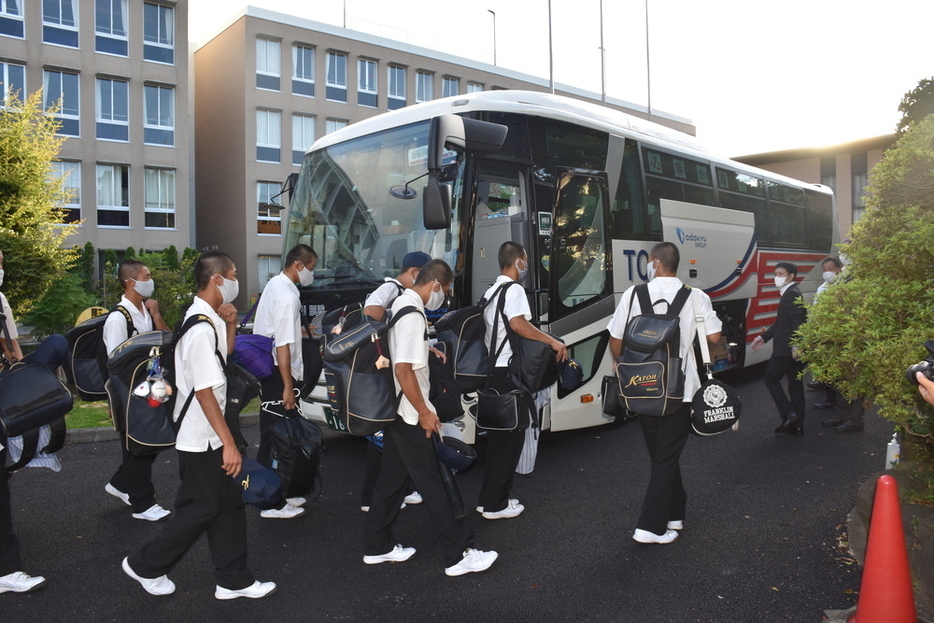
<point x="107" y="433"/>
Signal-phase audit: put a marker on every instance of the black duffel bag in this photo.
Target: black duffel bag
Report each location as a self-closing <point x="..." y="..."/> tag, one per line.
<point x="31" y="396"/>
<point x="506" y="411"/>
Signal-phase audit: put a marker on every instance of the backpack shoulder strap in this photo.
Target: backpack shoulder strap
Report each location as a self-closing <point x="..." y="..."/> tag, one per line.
<point x="130" y="327"/>
<point x="188" y="323"/>
<point x="678" y="303"/>
<point x="641" y="291"/>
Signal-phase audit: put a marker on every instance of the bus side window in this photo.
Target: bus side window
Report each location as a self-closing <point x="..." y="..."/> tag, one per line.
<point x="631" y="217"/>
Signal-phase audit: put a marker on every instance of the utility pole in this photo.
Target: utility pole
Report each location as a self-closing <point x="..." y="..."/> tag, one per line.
<point x="648" y="64"/>
<point x="602" y="60"/>
<point x="551" y="54"/>
<point x="494" y="33"/>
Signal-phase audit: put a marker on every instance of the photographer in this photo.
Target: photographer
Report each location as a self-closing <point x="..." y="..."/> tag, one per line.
<point x="925" y="387"/>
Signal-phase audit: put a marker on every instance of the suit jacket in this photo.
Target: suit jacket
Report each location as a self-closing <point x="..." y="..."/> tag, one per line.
<point x="790" y="316"/>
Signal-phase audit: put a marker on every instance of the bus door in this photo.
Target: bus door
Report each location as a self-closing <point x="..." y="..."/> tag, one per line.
<point x="580" y="297"/>
<point x="500" y="216"/>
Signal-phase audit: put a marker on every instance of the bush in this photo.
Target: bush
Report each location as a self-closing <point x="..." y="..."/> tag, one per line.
<point x="58" y="309"/>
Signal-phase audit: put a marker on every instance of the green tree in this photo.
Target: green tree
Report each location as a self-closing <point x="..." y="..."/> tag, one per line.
<point x="58" y="309"/>
<point x="916" y="105"/>
<point x="864" y="332"/>
<point x="175" y="287"/>
<point x="84" y="267"/>
<point x="31" y="217"/>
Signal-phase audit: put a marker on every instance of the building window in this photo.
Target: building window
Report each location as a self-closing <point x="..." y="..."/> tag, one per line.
<point x="267" y="64"/>
<point x="11" y="18"/>
<point x="337" y="77"/>
<point x="158" y="33"/>
<point x="424" y="86"/>
<point x="269" y="210"/>
<point x="61" y="85"/>
<point x="474" y="87"/>
<point x="159" y="115"/>
<point x="859" y="168"/>
<point x="333" y="125"/>
<point x="113" y="195"/>
<point x="303" y="135"/>
<point x="268" y="135"/>
<point x="110" y="26"/>
<point x="303" y="70"/>
<point x="268" y="267"/>
<point x="396" y="87"/>
<point x="450" y="86"/>
<point x="160" y="198"/>
<point x="366" y="83"/>
<point x="13" y="82"/>
<point x="112" y="109"/>
<point x="70" y="174"/>
<point x="59" y="22"/>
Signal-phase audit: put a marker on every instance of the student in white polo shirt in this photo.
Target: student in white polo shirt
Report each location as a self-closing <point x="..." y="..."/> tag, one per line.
<point x="209" y="497"/>
<point x="408" y="450"/>
<point x="132" y="482"/>
<point x="278" y="316"/>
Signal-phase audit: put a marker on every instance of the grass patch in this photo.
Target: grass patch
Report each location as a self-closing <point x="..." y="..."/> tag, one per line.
<point x="97" y="414"/>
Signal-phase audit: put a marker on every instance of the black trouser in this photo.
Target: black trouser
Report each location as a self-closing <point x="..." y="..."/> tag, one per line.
<point x="134" y="477"/>
<point x="208" y="501"/>
<point x="407" y="453"/>
<point x="10" y="560"/>
<point x="503" y="449"/>
<point x="374" y="459"/>
<point x="665" y="498"/>
<point x="789" y="368"/>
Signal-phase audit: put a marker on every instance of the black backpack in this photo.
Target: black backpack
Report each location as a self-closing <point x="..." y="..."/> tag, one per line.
<point x="651" y="381"/>
<point x="444" y="395"/>
<point x="86" y="365"/>
<point x="294" y="454"/>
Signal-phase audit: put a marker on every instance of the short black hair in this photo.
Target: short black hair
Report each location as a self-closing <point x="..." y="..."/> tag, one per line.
<point x="791" y="269"/>
<point x="301" y="252"/>
<point x="509" y="252"/>
<point x="435" y="270"/>
<point x="209" y="264"/>
<point x="129" y="269"/>
<point x="833" y="260"/>
<point x="669" y="256"/>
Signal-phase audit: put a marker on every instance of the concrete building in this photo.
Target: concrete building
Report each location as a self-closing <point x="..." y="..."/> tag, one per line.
<point x="120" y="68"/>
<point x="269" y="84"/>
<point x="844" y="168"/>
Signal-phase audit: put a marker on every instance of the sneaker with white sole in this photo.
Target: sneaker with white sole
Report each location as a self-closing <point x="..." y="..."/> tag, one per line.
<point x="511" y="501"/>
<point x="117" y="493"/>
<point x="257" y="590"/>
<point x="286" y="512"/>
<point x="155" y="586"/>
<point x="473" y="561"/>
<point x="644" y="536"/>
<point x="413" y="498"/>
<point x="20" y="582"/>
<point x="677" y="524"/>
<point x="296" y="502"/>
<point x="513" y="509"/>
<point x="153" y="513"/>
<point x="398" y="554"/>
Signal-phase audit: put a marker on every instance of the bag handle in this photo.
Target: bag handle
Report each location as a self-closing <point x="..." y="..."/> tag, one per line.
<point x="702" y="336"/>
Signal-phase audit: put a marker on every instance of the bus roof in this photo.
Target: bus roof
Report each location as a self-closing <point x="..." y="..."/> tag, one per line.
<point x="551" y="107"/>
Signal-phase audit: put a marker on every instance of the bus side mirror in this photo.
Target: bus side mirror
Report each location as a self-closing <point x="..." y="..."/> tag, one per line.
<point x="436" y="203"/>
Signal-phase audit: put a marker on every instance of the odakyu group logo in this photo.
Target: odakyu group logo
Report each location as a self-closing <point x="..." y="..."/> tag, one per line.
<point x="684" y="237"/>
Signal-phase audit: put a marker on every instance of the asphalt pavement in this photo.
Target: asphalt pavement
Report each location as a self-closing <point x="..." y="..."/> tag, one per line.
<point x="766" y="514"/>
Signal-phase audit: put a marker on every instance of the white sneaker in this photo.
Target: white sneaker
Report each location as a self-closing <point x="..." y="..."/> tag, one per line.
<point x="286" y="512"/>
<point x="473" y="561"/>
<point x="413" y="498"/>
<point x="19" y="582"/>
<point x="366" y="509"/>
<point x="398" y="554"/>
<point x="257" y="590"/>
<point x="511" y="501"/>
<point x="644" y="536"/>
<point x="513" y="509"/>
<point x="155" y="586"/>
<point x="677" y="524"/>
<point x="296" y="502"/>
<point x="117" y="493"/>
<point x="153" y="513"/>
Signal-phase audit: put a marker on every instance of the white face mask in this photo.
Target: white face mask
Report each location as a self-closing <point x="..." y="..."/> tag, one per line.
<point x="229" y="289"/>
<point x="1" y="276"/>
<point x="305" y="276"/>
<point x="779" y="282"/>
<point x="144" y="288"/>
<point x="829" y="276"/>
<point x="435" y="299"/>
<point x="650" y="270"/>
<point x="522" y="271"/>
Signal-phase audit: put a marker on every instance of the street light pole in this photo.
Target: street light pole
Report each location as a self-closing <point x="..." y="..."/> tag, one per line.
<point x="602" y="60"/>
<point x="494" y="33"/>
<point x="648" y="64"/>
<point x="551" y="54"/>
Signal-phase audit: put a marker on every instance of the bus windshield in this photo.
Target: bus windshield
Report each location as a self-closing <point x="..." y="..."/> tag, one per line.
<point x="342" y="207"/>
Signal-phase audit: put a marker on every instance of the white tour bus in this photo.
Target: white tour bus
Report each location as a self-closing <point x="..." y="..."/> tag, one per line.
<point x="586" y="189"/>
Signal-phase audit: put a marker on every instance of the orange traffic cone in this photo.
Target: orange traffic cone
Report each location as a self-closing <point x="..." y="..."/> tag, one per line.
<point x="885" y="594"/>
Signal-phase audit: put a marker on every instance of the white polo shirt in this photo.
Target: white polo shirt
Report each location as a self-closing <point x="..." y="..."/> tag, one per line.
<point x="10" y="323"/>
<point x="666" y="288"/>
<point x="278" y="316"/>
<point x="197" y="367"/>
<point x="516" y="305"/>
<point x="115" y="326"/>
<point x="407" y="344"/>
<point x="385" y="294"/>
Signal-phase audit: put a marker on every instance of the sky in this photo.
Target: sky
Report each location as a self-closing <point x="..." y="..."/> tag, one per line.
<point x="752" y="76"/>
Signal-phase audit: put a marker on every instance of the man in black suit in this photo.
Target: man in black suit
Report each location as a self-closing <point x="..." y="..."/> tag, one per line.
<point x="791" y="315"/>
